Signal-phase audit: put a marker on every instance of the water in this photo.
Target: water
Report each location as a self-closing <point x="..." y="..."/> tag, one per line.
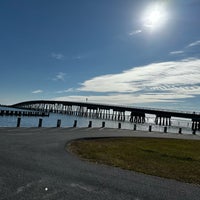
<point x="68" y="121"/>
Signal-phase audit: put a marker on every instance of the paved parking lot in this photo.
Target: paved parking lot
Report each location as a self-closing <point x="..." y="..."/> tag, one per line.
<point x="35" y="165"/>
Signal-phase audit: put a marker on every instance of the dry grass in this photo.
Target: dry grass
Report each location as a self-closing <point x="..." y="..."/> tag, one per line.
<point x="169" y="158"/>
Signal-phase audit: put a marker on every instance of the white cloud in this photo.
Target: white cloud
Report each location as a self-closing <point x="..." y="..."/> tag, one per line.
<point x="173" y="73"/>
<point x="166" y="81"/>
<point x="37" y="91"/>
<point x="77" y="57"/>
<point x="126" y="98"/>
<point x="194" y="43"/>
<point x="185" y="49"/>
<point x="57" y="56"/>
<point x="176" y="52"/>
<point x="135" y="32"/>
<point x="59" y="77"/>
<point x="65" y="91"/>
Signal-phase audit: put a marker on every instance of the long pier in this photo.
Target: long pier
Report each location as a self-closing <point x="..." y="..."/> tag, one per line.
<point x="23" y="113"/>
<point x="112" y="112"/>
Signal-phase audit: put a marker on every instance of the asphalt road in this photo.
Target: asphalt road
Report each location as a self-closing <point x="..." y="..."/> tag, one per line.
<point x="35" y="165"/>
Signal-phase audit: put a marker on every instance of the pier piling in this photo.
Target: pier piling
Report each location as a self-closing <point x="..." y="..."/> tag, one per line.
<point x="90" y="124"/>
<point x="40" y="123"/>
<point x="58" y="123"/>
<point x="150" y="128"/>
<point x="18" y="122"/>
<point x="75" y="124"/>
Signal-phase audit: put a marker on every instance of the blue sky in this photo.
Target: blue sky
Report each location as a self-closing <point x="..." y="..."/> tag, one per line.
<point x="135" y="52"/>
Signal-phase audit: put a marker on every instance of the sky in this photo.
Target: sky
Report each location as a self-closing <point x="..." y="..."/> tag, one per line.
<point x="142" y="53"/>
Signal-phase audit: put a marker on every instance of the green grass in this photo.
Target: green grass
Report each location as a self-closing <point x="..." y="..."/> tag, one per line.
<point x="169" y="158"/>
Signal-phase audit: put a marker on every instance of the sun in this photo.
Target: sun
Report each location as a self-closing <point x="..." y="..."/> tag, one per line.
<point x="155" y="16"/>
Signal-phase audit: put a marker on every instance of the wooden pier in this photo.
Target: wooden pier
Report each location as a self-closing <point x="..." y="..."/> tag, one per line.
<point x="23" y="113"/>
<point x="110" y="112"/>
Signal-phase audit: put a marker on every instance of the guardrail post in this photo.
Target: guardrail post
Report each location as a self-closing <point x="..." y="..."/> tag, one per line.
<point x="75" y="123"/>
<point x="165" y="129"/>
<point x="150" y="128"/>
<point x="103" y="124"/>
<point x="134" y="127"/>
<point x="119" y="125"/>
<point x="18" y="122"/>
<point x="40" y="123"/>
<point x="180" y="131"/>
<point x="58" y="123"/>
<point x="90" y="124"/>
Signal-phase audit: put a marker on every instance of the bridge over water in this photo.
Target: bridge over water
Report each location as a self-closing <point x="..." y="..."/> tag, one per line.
<point x="111" y="112"/>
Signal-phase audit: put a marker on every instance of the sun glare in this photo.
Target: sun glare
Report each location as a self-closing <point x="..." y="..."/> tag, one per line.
<point x="155" y="16"/>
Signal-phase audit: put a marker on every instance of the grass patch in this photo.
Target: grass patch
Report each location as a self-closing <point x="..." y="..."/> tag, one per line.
<point x="169" y="158"/>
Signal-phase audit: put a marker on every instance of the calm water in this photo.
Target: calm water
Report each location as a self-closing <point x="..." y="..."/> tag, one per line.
<point x="68" y="121"/>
